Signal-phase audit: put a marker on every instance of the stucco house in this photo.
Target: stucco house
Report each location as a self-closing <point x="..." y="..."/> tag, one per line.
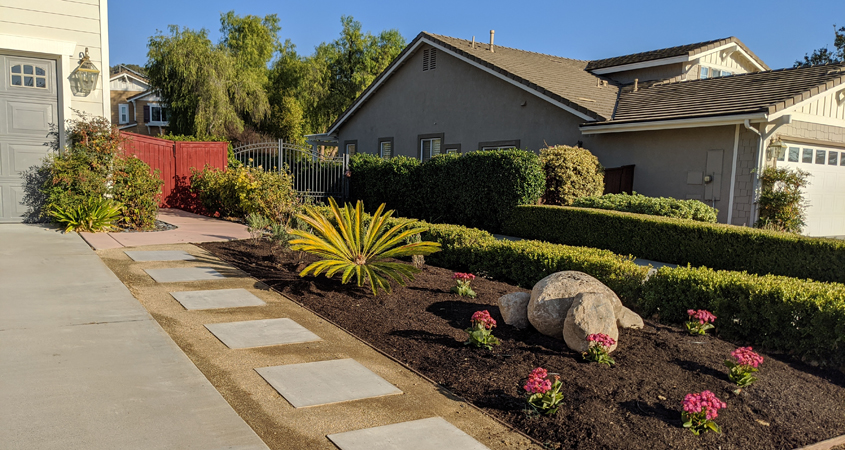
<point x="135" y="107"/>
<point x="44" y="76"/>
<point x="690" y="122"/>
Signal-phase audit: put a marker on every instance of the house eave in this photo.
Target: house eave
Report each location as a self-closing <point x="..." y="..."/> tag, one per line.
<point x="669" y="124"/>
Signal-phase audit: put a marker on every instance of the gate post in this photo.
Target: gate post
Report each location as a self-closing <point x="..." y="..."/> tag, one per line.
<point x="345" y="178"/>
<point x="281" y="146"/>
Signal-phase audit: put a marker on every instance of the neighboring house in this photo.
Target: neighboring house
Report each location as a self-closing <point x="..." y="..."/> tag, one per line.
<point x="41" y="48"/>
<point x="135" y="107"/>
<point x="690" y="122"/>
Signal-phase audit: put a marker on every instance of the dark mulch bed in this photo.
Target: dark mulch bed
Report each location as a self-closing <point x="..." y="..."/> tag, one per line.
<point x="634" y="404"/>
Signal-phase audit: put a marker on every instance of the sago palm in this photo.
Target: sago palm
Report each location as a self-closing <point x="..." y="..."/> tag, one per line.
<point x="355" y="249"/>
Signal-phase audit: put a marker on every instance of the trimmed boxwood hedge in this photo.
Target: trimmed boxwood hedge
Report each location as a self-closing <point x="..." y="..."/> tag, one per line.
<point x="654" y="206"/>
<point x="477" y="189"/>
<point x="679" y="241"/>
<point x="801" y="317"/>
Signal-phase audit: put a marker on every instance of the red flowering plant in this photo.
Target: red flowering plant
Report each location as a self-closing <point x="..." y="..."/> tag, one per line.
<point x="745" y="363"/>
<point x="599" y="345"/>
<point x="699" y="321"/>
<point x="700" y="410"/>
<point x="480" y="334"/>
<point x="543" y="394"/>
<point x="463" y="281"/>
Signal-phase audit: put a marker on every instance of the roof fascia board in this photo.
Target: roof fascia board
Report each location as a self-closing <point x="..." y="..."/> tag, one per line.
<point x="144" y="94"/>
<point x="821" y="120"/>
<point x="725" y="47"/>
<point x="642" y="65"/>
<point x="127" y="74"/>
<point x="672" y="124"/>
<point x="801" y="104"/>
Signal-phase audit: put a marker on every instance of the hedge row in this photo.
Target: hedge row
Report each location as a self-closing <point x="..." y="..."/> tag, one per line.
<point x="478" y="189"/>
<point x="679" y="241"/>
<point x="804" y="318"/>
<point x="655" y="206"/>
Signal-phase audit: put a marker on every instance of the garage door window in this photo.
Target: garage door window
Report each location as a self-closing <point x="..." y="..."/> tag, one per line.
<point x="807" y="157"/>
<point x="794" y="153"/>
<point x="832" y="158"/>
<point x="28" y="75"/>
<point x="842" y="159"/>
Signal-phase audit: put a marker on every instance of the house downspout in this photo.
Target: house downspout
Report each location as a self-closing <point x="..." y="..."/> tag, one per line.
<point x="753" y="217"/>
<point x="733" y="176"/>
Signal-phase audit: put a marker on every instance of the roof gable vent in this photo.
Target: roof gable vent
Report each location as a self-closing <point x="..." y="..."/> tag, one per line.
<point x="429" y="59"/>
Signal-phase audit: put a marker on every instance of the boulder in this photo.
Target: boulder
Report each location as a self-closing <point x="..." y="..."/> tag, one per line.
<point x="514" y="308"/>
<point x="590" y="313"/>
<point x="629" y="319"/>
<point x="552" y="296"/>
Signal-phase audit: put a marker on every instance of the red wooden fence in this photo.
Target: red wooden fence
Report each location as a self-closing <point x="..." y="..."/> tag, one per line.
<point x="174" y="161"/>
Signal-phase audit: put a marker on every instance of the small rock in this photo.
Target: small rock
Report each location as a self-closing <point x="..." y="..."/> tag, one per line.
<point x="590" y="313"/>
<point x="552" y="296"/>
<point x="660" y="397"/>
<point x="514" y="308"/>
<point x="762" y="422"/>
<point x="626" y="318"/>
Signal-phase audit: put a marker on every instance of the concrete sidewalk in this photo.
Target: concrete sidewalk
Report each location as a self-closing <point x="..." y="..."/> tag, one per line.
<point x="84" y="366"/>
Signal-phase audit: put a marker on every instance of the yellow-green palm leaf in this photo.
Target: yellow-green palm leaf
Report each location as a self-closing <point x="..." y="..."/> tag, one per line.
<point x="353" y="249"/>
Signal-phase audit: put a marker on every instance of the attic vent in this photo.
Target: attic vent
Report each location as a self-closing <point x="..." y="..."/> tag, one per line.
<point x="429" y="59"/>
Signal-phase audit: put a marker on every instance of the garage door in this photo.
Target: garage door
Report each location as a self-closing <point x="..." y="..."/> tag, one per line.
<point x="28" y="107"/>
<point x="826" y="192"/>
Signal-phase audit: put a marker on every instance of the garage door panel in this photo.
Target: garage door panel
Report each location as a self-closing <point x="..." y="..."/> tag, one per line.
<point x="17" y="206"/>
<point x="29" y="77"/>
<point x="30" y="118"/>
<point x="22" y="157"/>
<point x="825" y="194"/>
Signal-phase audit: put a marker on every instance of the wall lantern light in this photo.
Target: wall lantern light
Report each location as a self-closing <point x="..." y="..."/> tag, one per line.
<point x="777" y="149"/>
<point x="83" y="79"/>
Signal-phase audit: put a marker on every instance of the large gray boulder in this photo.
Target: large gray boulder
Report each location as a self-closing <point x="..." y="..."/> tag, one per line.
<point x="552" y="296"/>
<point x="590" y="313"/>
<point x="626" y="318"/>
<point x="514" y="308"/>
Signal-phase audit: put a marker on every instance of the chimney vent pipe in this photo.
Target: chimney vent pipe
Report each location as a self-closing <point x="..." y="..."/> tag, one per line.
<point x="636" y="84"/>
<point x="492" y="32"/>
<point x="473" y="42"/>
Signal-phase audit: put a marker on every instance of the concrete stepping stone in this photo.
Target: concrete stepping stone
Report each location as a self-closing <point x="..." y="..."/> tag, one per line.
<point x="434" y="433"/>
<point x="260" y="333"/>
<point x="181" y="274"/>
<point x="217" y="298"/>
<point x="325" y="382"/>
<point x="169" y="255"/>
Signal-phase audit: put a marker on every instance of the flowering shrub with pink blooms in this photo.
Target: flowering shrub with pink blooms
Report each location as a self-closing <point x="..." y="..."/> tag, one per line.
<point x="479" y="333"/>
<point x="700" y="410"/>
<point x="544" y="394"/>
<point x="599" y="344"/>
<point x="699" y="321"/>
<point x="463" y="281"/>
<point x="745" y="363"/>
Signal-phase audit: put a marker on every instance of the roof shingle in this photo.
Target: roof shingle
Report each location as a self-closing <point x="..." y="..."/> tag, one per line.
<point x="681" y="50"/>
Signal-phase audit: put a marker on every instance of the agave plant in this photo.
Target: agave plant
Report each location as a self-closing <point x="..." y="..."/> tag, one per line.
<point x="96" y="214"/>
<point x="354" y="248"/>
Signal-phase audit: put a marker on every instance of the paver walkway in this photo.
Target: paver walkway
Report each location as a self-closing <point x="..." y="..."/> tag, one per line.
<point x="84" y="366"/>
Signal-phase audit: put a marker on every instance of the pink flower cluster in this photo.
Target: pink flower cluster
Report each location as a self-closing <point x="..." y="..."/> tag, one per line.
<point x="702" y="315"/>
<point x="745" y="357"/>
<point x="483" y="317"/>
<point x="704" y="402"/>
<point x="601" y="339"/>
<point x="538" y="382"/>
<point x="465" y="277"/>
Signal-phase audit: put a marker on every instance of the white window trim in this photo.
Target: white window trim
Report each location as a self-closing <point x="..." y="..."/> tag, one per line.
<point x="381" y="147"/>
<point x="120" y="110"/>
<point x="159" y="123"/>
<point x="431" y="139"/>
<point x="814" y="149"/>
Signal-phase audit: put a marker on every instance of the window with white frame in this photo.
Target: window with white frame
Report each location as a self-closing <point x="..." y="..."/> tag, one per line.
<point x="430" y="146"/>
<point x="498" y="145"/>
<point x="712" y="72"/>
<point x="351" y="147"/>
<point x="385" y="148"/>
<point x="155" y="115"/>
<point x="123" y="113"/>
<point x="808" y="155"/>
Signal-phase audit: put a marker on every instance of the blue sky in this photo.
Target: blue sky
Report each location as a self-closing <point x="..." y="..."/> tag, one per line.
<point x="778" y="31"/>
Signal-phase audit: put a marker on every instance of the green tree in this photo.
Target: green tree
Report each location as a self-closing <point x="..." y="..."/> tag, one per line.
<point x="824" y="55"/>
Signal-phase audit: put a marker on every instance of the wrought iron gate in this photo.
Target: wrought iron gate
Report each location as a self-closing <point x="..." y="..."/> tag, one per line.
<point x="314" y="175"/>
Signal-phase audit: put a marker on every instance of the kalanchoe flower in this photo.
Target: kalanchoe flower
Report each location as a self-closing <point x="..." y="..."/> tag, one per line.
<point x="599" y="346"/>
<point x="463" y="281"/>
<point x="700" y="410"/>
<point x="479" y="333"/>
<point x="745" y="363"/>
<point x="699" y="321"/>
<point x="544" y="395"/>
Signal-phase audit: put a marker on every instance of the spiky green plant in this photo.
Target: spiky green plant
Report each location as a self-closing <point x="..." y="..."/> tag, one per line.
<point x="355" y="248"/>
<point x="95" y="214"/>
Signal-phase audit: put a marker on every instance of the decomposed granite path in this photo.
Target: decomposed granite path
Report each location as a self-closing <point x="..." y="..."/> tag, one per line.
<point x="298" y="381"/>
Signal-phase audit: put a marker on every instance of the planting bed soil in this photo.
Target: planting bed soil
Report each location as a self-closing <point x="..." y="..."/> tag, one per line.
<point x="634" y="404"/>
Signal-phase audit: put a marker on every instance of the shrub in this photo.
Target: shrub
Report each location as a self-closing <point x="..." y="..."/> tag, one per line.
<point x="93" y="215"/>
<point x="802" y="317"/>
<point x="571" y="173"/>
<point x="241" y="191"/>
<point x="137" y="188"/>
<point x="681" y="241"/>
<point x="654" y="206"/>
<point x="478" y="189"/>
<point x="782" y="206"/>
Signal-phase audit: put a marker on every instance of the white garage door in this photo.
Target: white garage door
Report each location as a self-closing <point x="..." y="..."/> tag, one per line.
<point x="28" y="107"/>
<point x="826" y="192"/>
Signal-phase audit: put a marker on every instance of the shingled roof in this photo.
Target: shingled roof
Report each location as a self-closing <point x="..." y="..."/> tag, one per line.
<point x="757" y="92"/>
<point x="681" y="50"/>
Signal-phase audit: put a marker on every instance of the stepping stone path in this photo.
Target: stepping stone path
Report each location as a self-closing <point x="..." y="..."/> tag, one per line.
<point x="183" y="274"/>
<point x="168" y="255"/>
<point x="261" y="333"/>
<point x="306" y="384"/>
<point x="218" y="298"/>
<point x="325" y="382"/>
<point x="427" y="434"/>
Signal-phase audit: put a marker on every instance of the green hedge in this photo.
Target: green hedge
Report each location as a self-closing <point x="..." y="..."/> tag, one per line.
<point x="655" y="206"/>
<point x="478" y="189"/>
<point x="679" y="241"/>
<point x="804" y="318"/>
